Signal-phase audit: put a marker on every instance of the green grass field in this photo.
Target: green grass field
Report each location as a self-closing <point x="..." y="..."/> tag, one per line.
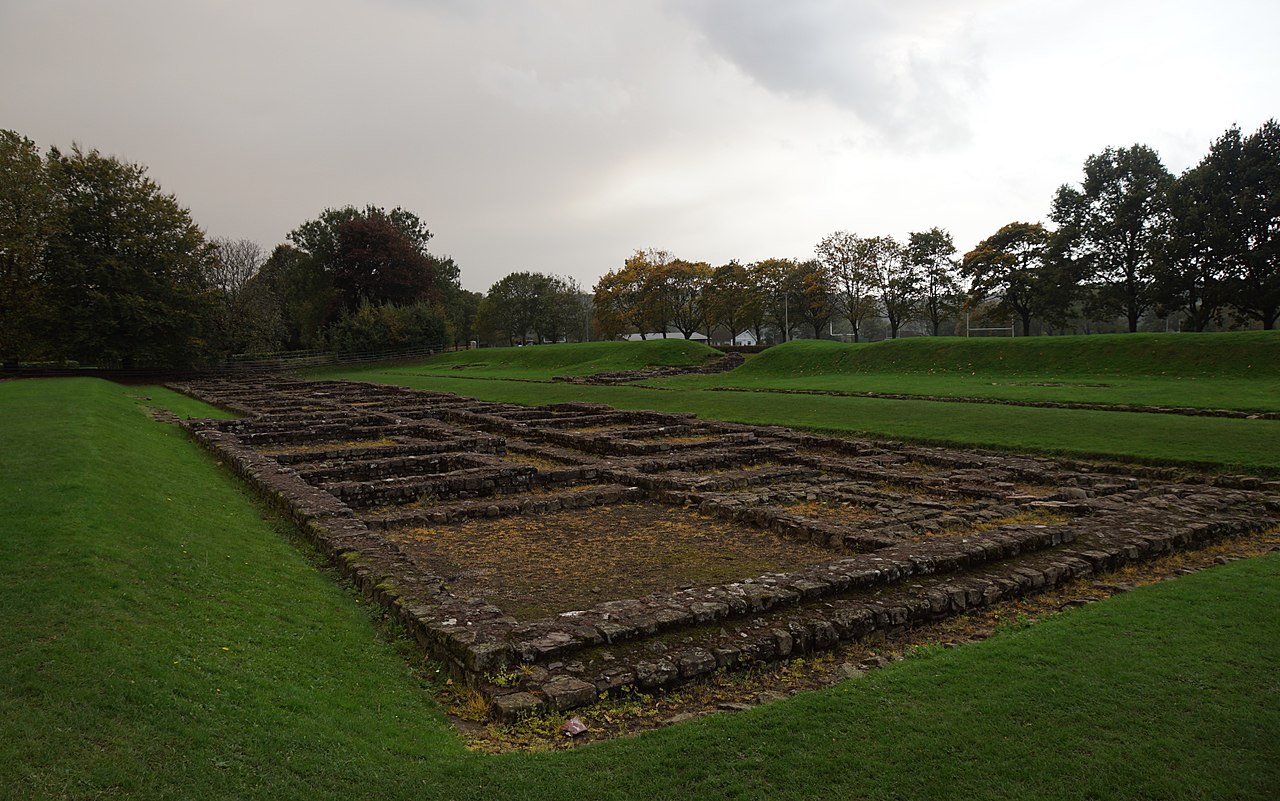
<point x="161" y="638"/>
<point x="586" y="358"/>
<point x="1239" y="354"/>
<point x="1237" y="370"/>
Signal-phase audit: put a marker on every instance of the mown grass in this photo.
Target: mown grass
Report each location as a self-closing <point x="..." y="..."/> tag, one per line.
<point x="160" y="397"/>
<point x="160" y="639"/>
<point x="1238" y="354"/>
<point x="585" y="358"/>
<point x="1235" y="370"/>
<point x="1214" y="443"/>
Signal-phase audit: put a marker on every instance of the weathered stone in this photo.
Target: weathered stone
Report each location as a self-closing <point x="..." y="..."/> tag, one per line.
<point x="512" y="706"/>
<point x="567" y="692"/>
<point x="733" y="706"/>
<point x="695" y="662"/>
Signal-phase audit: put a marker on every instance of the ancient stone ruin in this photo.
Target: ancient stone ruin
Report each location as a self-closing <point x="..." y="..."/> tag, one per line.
<point x="550" y="555"/>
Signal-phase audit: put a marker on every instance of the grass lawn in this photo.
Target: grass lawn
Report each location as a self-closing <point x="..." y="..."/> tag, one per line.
<point x="1200" y="393"/>
<point x="161" y="638"/>
<point x="1236" y="370"/>
<point x="542" y="362"/>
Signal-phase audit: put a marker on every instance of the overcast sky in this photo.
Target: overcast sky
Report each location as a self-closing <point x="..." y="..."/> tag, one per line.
<point x="559" y="136"/>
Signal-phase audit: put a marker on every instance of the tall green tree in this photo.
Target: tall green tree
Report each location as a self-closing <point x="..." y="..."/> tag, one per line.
<point x="933" y="254"/>
<point x="732" y="300"/>
<point x="1199" y="250"/>
<point x="126" y="274"/>
<point x="810" y="285"/>
<point x="1010" y="266"/>
<point x="898" y="284"/>
<point x="375" y="255"/>
<point x="1256" y="287"/>
<point x="852" y="262"/>
<point x="30" y="216"/>
<point x="1112" y="226"/>
<point x="318" y="238"/>
<point x="677" y="289"/>
<point x="461" y="307"/>
<point x="370" y="254"/>
<point x="302" y="295"/>
<point x="549" y="307"/>
<point x="775" y="282"/>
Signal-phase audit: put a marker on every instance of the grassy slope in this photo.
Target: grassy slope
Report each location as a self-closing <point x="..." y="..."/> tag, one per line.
<point x="1238" y="370"/>
<point x="586" y="358"/>
<point x="158" y="639"/>
<point x="1244" y="354"/>
<point x="1248" y="444"/>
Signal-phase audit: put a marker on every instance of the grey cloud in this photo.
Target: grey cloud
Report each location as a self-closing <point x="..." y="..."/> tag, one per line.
<point x="904" y="69"/>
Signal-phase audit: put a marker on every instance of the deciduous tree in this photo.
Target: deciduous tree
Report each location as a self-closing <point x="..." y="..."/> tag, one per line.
<point x="810" y="284"/>
<point x="126" y="273"/>
<point x="676" y="291"/>
<point x="1010" y="266"/>
<point x="898" y="284"/>
<point x="775" y="282"/>
<point x="1196" y="254"/>
<point x="303" y="295"/>
<point x="375" y="261"/>
<point x="547" y="306"/>
<point x="1112" y="225"/>
<point x="1257" y="204"/>
<point x="852" y="262"/>
<point x="933" y="254"/>
<point x="621" y="299"/>
<point x="30" y="216"/>
<point x="732" y="300"/>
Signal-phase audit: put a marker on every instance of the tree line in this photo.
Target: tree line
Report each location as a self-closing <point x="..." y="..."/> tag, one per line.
<point x="99" y="266"/>
<point x="1129" y="243"/>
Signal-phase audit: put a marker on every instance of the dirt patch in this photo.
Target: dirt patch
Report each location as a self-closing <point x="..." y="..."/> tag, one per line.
<point x="831" y="511"/>
<point x="533" y="460"/>
<point x="321" y="447"/>
<point x="542" y="565"/>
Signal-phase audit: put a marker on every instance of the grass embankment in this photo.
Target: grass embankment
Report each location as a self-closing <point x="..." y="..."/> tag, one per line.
<point x="585" y="358"/>
<point x="160" y="639"/>
<point x="1234" y="370"/>
<point x="1204" y="442"/>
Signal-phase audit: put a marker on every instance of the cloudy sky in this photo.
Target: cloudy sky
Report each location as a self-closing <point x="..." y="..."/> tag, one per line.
<point x="559" y="136"/>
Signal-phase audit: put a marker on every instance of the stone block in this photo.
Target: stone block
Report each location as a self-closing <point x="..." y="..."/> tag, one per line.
<point x="512" y="706"/>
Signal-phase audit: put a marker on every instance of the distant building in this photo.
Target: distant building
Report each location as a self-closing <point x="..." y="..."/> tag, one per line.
<point x="721" y="336"/>
<point x="670" y="335"/>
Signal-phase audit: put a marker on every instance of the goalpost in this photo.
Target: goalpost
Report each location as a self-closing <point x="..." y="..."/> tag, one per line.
<point x="969" y="329"/>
